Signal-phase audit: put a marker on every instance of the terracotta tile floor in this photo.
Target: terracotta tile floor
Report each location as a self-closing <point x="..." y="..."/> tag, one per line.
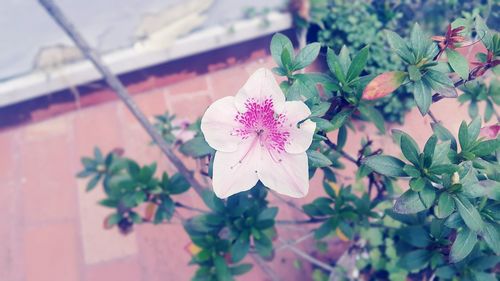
<point x="51" y="228"/>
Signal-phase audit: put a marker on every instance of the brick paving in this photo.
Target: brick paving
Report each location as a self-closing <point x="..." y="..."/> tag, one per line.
<point x="52" y="229"/>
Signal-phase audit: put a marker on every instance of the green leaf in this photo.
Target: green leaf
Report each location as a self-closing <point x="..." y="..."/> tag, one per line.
<point x="474" y="128"/>
<point x="429" y="148"/>
<point x="444" y="134"/>
<point x="409" y="203"/>
<point x="326" y="228"/>
<point x="410" y="150"/>
<point x="491" y="236"/>
<point x="458" y="63"/>
<point x="358" y="64"/>
<point x="222" y="270"/>
<point x="93" y="182"/>
<point x="415" y="260"/>
<point x="415" y="235"/>
<point x="342" y="137"/>
<point x="280" y="42"/>
<point x="287" y="60"/>
<point x="323" y="124"/>
<point x="399" y="45"/>
<point x="485" y="148"/>
<point x="423" y="96"/>
<point x="196" y="147"/>
<point x="307" y="55"/>
<point x="419" y="42"/>
<point x="340" y="118"/>
<point x="373" y="115"/>
<point x="268" y="214"/>
<point x="446" y="206"/>
<point x="428" y="195"/>
<point x="469" y="213"/>
<point x="241" y="269"/>
<point x="417" y="184"/>
<point x="334" y="66"/>
<point x="240" y="247"/>
<point x="344" y="58"/>
<point x="484" y="33"/>
<point x="386" y="165"/>
<point x="463" y="136"/>
<point x="317" y="159"/>
<point x="414" y="73"/>
<point x="463" y="245"/>
<point x="177" y="184"/>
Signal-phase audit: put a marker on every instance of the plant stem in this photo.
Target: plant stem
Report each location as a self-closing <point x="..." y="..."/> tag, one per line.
<point x="120" y="90"/>
<point x="308" y="257"/>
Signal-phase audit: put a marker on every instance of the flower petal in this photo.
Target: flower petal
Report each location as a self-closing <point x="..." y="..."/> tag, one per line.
<point x="235" y="172"/>
<point x="285" y="173"/>
<point x="301" y="136"/>
<point x="217" y="124"/>
<point x="259" y="86"/>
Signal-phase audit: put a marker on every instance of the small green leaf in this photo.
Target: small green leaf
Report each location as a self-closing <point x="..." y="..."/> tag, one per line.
<point x="307" y="55"/>
<point x="196" y="147"/>
<point x="240" y="247"/>
<point x="491" y="236"/>
<point x="469" y="213"/>
<point x="463" y="136"/>
<point x="399" y="45"/>
<point x="415" y="260"/>
<point x="463" y="245"/>
<point x="445" y="206"/>
<point x="358" y="64"/>
<point x="222" y="270"/>
<point x="280" y="42"/>
<point x="417" y="184"/>
<point x="373" y="115"/>
<point x="177" y="184"/>
<point x="93" y="182"/>
<point x="334" y="66"/>
<point x="458" y="63"/>
<point x="317" y="159"/>
<point x="444" y="134"/>
<point x="340" y="118"/>
<point x="410" y="150"/>
<point x="241" y="269"/>
<point x="423" y="96"/>
<point x="419" y="42"/>
<point x="409" y="203"/>
<point x="414" y="73"/>
<point x="415" y="235"/>
<point x="386" y="165"/>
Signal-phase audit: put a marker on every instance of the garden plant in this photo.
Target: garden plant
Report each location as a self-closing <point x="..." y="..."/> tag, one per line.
<point x="431" y="214"/>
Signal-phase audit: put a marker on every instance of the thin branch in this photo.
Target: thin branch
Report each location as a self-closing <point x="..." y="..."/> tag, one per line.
<point x="312" y="220"/>
<point x="308" y="257"/>
<point x="433" y="117"/>
<point x="344" y="154"/>
<point x="181" y="205"/>
<point x="117" y="86"/>
<point x="265" y="267"/>
<point x="294" y="242"/>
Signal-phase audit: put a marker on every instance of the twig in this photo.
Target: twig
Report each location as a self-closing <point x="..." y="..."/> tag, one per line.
<point x="433" y="117"/>
<point x="341" y="152"/>
<point x="120" y="90"/>
<point x="312" y="220"/>
<point x="181" y="205"/>
<point x="308" y="257"/>
<point x="265" y="268"/>
<point x="294" y="242"/>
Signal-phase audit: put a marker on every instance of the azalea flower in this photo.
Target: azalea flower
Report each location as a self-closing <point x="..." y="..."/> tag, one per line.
<point x="490" y="132"/>
<point x="257" y="136"/>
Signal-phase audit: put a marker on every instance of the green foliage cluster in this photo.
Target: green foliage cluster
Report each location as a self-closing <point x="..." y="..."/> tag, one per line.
<point x="444" y="226"/>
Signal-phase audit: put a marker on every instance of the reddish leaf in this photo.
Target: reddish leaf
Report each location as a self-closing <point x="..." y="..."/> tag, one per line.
<point x="383" y="85"/>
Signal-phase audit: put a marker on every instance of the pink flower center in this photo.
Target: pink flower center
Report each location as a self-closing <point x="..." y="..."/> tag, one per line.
<point x="260" y="121"/>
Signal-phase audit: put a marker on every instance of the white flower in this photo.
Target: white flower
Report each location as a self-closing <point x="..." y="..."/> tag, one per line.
<point x="257" y="137"/>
